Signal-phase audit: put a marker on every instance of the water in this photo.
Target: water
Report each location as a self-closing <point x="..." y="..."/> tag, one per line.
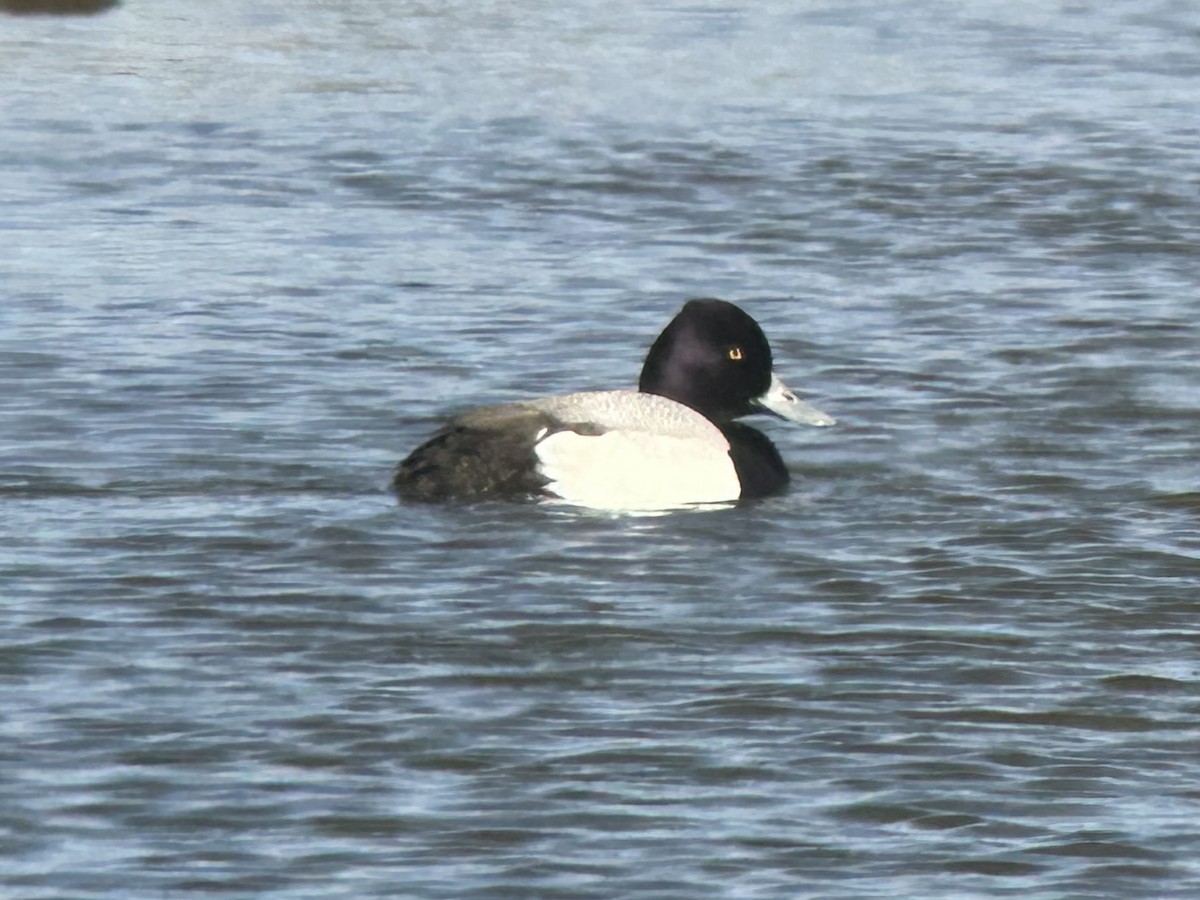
<point x="251" y="254"/>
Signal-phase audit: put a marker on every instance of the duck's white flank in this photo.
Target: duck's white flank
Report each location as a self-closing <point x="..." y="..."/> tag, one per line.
<point x="640" y="452"/>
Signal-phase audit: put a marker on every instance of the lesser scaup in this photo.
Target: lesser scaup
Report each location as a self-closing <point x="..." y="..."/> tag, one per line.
<point x="671" y="443"/>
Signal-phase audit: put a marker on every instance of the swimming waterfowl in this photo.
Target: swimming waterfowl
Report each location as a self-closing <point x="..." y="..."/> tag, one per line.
<point x="673" y="442"/>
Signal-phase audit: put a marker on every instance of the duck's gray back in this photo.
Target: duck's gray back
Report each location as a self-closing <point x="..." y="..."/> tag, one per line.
<point x="631" y="411"/>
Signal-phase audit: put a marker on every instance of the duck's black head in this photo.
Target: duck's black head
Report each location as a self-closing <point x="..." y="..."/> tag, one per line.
<point x="712" y="357"/>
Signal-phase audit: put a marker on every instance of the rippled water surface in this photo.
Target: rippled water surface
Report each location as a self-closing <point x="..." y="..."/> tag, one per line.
<point x="252" y="252"/>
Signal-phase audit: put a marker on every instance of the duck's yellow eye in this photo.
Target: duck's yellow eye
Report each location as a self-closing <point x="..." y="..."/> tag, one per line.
<point x="735" y="353"/>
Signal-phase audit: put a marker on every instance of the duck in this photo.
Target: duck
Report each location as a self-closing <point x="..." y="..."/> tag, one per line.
<point x="674" y="442"/>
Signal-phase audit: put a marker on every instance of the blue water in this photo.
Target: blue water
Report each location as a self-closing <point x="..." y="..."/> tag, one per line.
<point x="252" y="254"/>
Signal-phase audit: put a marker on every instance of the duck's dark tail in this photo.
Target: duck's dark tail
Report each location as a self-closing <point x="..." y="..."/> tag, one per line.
<point x="472" y="462"/>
